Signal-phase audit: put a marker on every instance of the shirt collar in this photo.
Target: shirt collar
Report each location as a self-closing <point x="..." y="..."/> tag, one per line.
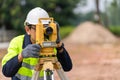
<point x="26" y="41"/>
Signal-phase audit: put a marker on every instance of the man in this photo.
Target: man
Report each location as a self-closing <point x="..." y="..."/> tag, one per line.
<point x="23" y="53"/>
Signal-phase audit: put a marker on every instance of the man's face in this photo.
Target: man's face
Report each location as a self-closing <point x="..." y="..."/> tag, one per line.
<point x="31" y="30"/>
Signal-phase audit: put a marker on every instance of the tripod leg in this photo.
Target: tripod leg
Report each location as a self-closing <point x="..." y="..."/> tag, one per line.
<point x="35" y="75"/>
<point x="61" y="74"/>
<point x="52" y="76"/>
<point x="45" y="75"/>
<point x="48" y="75"/>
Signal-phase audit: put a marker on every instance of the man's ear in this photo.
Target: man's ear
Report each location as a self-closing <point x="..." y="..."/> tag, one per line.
<point x="27" y="29"/>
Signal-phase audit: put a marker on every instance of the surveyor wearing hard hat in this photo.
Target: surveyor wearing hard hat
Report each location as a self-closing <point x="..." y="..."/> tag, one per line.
<point x="23" y="53"/>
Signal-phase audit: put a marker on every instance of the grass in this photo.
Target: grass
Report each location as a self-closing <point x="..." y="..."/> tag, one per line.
<point x="66" y="30"/>
<point x="115" y="30"/>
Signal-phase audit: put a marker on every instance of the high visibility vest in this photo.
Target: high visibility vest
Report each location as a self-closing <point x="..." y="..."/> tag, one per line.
<point x="27" y="69"/>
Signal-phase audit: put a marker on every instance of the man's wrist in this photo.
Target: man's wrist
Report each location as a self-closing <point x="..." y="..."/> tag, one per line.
<point x="60" y="47"/>
<point x="20" y="58"/>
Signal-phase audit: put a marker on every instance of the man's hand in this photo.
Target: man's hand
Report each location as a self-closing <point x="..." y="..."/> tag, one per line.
<point x="31" y="50"/>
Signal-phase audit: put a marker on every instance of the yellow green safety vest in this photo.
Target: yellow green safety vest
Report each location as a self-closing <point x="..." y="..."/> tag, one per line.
<point x="27" y="69"/>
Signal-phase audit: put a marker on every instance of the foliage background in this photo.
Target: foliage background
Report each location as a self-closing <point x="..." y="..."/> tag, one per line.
<point x="13" y="13"/>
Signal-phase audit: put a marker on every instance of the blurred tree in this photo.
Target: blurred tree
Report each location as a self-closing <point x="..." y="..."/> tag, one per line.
<point x="113" y="13"/>
<point x="61" y="10"/>
<point x="105" y="15"/>
<point x="97" y="13"/>
<point x="13" y="12"/>
<point x="85" y="17"/>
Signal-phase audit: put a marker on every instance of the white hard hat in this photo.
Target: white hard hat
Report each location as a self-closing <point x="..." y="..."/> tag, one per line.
<point x="34" y="15"/>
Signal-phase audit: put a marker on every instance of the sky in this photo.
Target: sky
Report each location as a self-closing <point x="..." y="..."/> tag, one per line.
<point x="91" y="6"/>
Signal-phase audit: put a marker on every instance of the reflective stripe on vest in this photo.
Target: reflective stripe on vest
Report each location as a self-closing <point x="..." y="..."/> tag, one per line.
<point x="26" y="72"/>
<point x="27" y="65"/>
<point x="27" y="69"/>
<point x="26" y="77"/>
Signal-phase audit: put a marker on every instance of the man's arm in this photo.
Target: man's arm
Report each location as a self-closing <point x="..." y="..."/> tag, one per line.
<point x="64" y="58"/>
<point x="11" y="67"/>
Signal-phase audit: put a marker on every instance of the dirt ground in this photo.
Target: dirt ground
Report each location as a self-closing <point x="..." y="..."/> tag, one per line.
<point x="94" y="62"/>
<point x="90" y="62"/>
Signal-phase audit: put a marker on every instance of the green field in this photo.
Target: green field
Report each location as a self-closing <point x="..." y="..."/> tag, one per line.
<point x="66" y="30"/>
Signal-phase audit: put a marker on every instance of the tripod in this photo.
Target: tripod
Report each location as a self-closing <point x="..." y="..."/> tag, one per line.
<point x="49" y="65"/>
<point x="47" y="36"/>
